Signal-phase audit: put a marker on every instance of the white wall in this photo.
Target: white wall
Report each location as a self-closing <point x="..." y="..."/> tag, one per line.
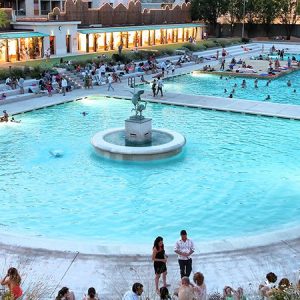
<point x="29" y="8"/>
<point x="59" y="30"/>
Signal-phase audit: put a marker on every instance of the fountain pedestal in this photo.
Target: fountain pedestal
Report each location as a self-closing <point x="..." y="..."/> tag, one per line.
<point x="138" y="141"/>
<point x="138" y="130"/>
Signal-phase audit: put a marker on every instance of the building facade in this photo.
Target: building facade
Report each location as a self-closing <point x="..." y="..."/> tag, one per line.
<point x="75" y="27"/>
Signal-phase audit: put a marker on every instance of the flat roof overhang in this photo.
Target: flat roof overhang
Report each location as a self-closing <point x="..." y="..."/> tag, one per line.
<point x="138" y="28"/>
<point x="17" y="35"/>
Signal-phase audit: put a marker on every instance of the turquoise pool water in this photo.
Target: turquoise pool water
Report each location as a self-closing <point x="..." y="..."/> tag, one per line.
<point x="286" y="56"/>
<point x="212" y="85"/>
<point x="238" y="176"/>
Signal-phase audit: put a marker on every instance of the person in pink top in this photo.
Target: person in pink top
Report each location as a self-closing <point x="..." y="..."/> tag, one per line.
<point x="13" y="282"/>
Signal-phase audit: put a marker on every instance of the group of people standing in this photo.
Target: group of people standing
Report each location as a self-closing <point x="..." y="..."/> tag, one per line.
<point x="157" y="86"/>
<point x="184" y="248"/>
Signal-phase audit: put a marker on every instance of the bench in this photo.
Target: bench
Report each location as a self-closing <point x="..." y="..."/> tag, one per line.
<point x="19" y="97"/>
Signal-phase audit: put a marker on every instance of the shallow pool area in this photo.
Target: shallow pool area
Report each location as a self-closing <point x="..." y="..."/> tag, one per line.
<point x="212" y="85"/>
<point x="296" y="56"/>
<point x="237" y="176"/>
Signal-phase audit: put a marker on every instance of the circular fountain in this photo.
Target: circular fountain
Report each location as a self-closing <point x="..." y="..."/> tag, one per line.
<point x="138" y="141"/>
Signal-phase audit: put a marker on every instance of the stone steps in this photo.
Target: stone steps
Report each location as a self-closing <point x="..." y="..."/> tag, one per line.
<point x="75" y="81"/>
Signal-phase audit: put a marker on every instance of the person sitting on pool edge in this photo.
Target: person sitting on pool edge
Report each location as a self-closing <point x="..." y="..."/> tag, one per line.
<point x="268" y="285"/>
<point x="5" y="117"/>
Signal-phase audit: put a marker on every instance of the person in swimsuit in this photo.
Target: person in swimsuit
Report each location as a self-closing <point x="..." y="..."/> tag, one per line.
<point x="5" y="117"/>
<point x="159" y="259"/>
<point x="13" y="281"/>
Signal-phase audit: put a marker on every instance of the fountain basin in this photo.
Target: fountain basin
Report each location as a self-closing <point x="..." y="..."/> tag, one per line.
<point x="105" y="146"/>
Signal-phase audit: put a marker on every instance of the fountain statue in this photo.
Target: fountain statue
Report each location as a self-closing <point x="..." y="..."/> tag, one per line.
<point x="138" y="129"/>
<point x="138" y="141"/>
<point x="138" y="104"/>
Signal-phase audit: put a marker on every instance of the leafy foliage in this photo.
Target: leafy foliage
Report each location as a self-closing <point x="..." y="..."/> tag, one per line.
<point x="289" y="293"/>
<point x="256" y="11"/>
<point x="3" y="18"/>
<point x="289" y="14"/>
<point x="208" y="10"/>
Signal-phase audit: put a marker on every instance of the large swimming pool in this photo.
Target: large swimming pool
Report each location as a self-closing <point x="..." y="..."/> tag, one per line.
<point x="212" y="85"/>
<point x="238" y="176"/>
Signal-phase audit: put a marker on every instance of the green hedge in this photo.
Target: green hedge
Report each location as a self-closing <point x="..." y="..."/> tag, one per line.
<point x="24" y="72"/>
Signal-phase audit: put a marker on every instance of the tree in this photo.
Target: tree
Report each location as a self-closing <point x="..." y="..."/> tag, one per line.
<point x="251" y="14"/>
<point x="3" y="18"/>
<point x="267" y="12"/>
<point x="209" y="10"/>
<point x="235" y="13"/>
<point x="289" y="15"/>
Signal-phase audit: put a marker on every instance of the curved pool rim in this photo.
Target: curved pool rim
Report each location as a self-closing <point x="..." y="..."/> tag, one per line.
<point x="202" y="247"/>
<point x="118" y="152"/>
<point x="228" y="244"/>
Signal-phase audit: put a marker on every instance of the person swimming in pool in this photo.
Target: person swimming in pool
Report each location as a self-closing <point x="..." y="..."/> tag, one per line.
<point x="289" y="83"/>
<point x="56" y="153"/>
<point x="244" y="84"/>
<point x="84" y="113"/>
<point x="268" y="97"/>
<point x="268" y="82"/>
<point x="15" y="121"/>
<point x="5" y="116"/>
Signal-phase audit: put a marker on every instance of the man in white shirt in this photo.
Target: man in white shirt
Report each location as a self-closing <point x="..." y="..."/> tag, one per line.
<point x="102" y="70"/>
<point x="137" y="290"/>
<point x="159" y="87"/>
<point x="184" y="248"/>
<point x="8" y="82"/>
<point x="110" y="81"/>
<point x="64" y="84"/>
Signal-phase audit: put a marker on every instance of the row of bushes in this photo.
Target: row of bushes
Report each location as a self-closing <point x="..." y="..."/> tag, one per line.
<point x="25" y="72"/>
<point x="128" y="56"/>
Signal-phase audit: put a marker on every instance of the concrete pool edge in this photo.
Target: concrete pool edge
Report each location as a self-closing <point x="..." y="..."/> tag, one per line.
<point x="240" y="243"/>
<point x="242" y="106"/>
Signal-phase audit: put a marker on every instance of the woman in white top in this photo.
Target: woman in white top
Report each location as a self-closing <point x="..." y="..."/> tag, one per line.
<point x="200" y="287"/>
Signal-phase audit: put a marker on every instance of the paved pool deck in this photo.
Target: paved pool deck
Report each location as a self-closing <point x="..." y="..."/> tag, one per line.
<point x="113" y="274"/>
<point x="234" y="105"/>
<point x="235" y="262"/>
